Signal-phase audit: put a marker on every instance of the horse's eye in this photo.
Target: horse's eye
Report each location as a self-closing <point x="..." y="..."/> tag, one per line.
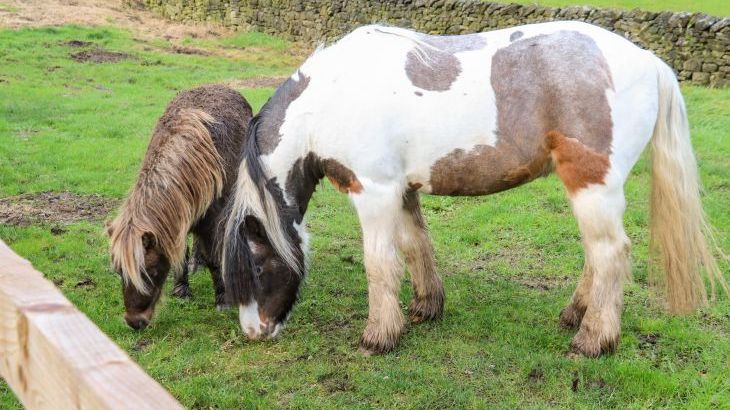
<point x="259" y="270"/>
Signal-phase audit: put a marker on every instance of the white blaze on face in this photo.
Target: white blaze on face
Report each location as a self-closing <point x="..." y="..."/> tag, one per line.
<point x="250" y="320"/>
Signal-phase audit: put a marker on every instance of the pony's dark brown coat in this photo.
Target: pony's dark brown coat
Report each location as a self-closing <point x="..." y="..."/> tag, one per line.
<point x="186" y="176"/>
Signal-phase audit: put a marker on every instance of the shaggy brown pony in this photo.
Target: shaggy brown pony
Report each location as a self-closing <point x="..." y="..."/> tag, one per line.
<point x="185" y="180"/>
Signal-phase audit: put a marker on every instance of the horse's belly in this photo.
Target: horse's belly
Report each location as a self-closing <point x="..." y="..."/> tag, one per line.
<point x="483" y="170"/>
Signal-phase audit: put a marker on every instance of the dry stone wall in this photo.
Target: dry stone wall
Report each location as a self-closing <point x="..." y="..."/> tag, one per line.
<point x="696" y="45"/>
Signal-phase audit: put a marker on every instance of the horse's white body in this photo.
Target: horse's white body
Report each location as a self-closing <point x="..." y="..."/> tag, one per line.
<point x="363" y="109"/>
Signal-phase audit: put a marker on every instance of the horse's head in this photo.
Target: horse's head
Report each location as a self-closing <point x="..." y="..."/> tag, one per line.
<point x="266" y="286"/>
<point x="143" y="266"/>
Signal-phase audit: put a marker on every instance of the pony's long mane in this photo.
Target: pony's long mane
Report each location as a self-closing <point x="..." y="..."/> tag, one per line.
<point x="181" y="175"/>
<point x="254" y="198"/>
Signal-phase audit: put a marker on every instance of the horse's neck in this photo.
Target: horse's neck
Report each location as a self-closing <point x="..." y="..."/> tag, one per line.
<point x="291" y="174"/>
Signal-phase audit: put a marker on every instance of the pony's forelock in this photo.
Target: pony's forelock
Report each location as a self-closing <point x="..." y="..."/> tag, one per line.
<point x="127" y="254"/>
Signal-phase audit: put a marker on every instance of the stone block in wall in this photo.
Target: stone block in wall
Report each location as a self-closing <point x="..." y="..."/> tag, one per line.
<point x="701" y="78"/>
<point x="709" y="67"/>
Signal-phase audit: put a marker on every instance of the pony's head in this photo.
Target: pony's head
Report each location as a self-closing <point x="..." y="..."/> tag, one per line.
<point x="138" y="257"/>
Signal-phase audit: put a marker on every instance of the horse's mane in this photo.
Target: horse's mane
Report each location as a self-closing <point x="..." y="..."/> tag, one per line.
<point x="182" y="173"/>
<point x="254" y="198"/>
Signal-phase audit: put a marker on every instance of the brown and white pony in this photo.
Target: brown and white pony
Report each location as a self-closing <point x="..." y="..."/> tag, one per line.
<point x="187" y="175"/>
<point x="387" y="114"/>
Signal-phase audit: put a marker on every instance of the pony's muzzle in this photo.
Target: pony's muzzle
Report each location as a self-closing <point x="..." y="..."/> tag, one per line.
<point x="138" y="321"/>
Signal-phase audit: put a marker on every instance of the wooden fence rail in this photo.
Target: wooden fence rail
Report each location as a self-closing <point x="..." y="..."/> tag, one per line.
<point x="54" y="357"/>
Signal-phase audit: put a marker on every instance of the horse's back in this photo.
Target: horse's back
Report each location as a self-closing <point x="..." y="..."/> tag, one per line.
<point x="469" y="115"/>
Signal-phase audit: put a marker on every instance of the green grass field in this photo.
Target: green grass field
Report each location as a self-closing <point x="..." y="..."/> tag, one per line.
<point x="509" y="261"/>
<point x="719" y="8"/>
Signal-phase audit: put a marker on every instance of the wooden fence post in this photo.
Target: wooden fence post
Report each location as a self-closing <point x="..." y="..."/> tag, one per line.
<point x="54" y="357"/>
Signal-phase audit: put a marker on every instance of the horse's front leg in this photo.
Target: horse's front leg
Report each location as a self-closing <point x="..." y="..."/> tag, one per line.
<point x="379" y="210"/>
<point x="219" y="288"/>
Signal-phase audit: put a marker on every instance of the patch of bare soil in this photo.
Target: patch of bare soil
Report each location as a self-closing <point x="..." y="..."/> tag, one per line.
<point x="128" y="14"/>
<point x="98" y="55"/>
<point x="189" y="51"/>
<point x="542" y="284"/>
<point x="53" y="207"/>
<point x="257" y="82"/>
<point x="78" y="43"/>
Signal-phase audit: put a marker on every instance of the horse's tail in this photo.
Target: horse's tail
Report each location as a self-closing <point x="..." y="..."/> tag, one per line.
<point x="680" y="235"/>
<point x="252" y="198"/>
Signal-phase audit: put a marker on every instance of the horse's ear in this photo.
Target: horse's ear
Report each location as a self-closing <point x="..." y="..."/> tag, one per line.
<point x="253" y="230"/>
<point x="148" y="240"/>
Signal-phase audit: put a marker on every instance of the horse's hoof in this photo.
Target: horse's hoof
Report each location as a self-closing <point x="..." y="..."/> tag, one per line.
<point x="368" y="349"/>
<point x="371" y="344"/>
<point x="221" y="307"/>
<point x="426" y="308"/>
<point x="591" y="344"/>
<point x="182" y="292"/>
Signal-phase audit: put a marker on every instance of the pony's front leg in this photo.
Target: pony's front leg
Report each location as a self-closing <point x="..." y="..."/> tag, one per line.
<point x="181" y="289"/>
<point x="379" y="210"/>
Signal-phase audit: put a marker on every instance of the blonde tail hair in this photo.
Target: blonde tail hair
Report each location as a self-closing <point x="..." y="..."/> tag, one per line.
<point x="680" y="236"/>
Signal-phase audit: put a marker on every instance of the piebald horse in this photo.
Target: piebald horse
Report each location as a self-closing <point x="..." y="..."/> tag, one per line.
<point x="388" y="114"/>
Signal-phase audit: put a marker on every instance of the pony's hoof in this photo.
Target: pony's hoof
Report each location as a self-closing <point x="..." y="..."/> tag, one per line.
<point x="426" y="308"/>
<point x="222" y="307"/>
<point x="182" y="291"/>
<point x="571" y="316"/>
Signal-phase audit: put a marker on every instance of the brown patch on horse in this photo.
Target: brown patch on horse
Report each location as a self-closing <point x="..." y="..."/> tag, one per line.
<point x="306" y="172"/>
<point x="576" y="164"/>
<point x="191" y="161"/>
<point x="341" y="177"/>
<point x="270" y="128"/>
<point x="544" y="83"/>
<point x="433" y="66"/>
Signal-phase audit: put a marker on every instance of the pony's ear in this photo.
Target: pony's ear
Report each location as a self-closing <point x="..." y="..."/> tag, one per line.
<point x="148" y="240"/>
<point x="109" y="227"/>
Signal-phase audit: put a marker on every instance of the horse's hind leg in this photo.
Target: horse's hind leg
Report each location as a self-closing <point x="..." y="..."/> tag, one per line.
<point x="599" y="210"/>
<point x="182" y="287"/>
<point x="416" y="247"/>
<point x="572" y="315"/>
<point x="379" y="207"/>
